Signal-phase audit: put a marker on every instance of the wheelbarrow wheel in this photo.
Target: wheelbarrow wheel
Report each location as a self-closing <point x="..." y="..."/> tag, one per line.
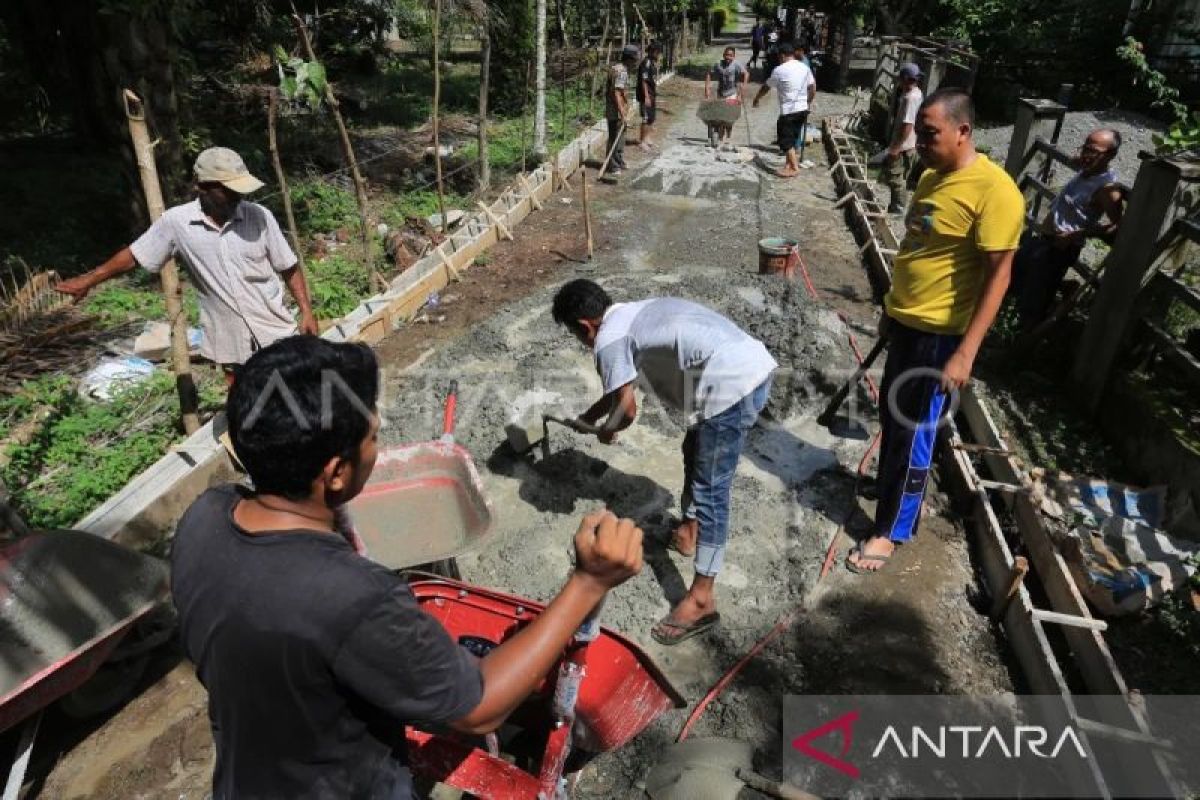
<point x="446" y="568"/>
<point x="108" y="688"/>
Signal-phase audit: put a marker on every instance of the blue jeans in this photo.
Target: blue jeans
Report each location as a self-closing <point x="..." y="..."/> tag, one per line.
<point x="711" y="450"/>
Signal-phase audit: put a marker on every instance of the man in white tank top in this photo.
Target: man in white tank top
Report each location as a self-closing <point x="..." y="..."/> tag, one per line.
<point x="1076" y="214"/>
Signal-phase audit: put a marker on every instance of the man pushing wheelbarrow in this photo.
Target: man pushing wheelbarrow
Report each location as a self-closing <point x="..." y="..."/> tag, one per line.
<point x="316" y="658"/>
<point x="720" y="114"/>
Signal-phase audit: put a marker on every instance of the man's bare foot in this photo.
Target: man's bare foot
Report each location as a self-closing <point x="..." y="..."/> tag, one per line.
<point x="788" y="172"/>
<point x="683" y="540"/>
<point x="871" y="555"/>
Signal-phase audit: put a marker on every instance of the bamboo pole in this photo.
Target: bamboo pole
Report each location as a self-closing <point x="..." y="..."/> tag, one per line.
<point x="360" y="188"/>
<point x="540" y="150"/>
<point x="181" y="363"/>
<point x="280" y="177"/>
<point x="485" y="74"/>
<point x="437" y="102"/>
<point x="587" y="212"/>
<point x="525" y="117"/>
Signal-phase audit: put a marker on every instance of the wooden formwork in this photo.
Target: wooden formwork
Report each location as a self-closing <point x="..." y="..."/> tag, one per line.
<point x="1030" y="629"/>
<point x="865" y="212"/>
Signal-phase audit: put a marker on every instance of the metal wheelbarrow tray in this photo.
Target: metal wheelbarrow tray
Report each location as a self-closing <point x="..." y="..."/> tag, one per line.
<point x="621" y="693"/>
<point x="66" y="601"/>
<point x="423" y="502"/>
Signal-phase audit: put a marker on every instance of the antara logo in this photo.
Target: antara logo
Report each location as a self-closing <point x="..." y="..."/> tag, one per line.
<point x="965" y="741"/>
<point x="1022" y="739"/>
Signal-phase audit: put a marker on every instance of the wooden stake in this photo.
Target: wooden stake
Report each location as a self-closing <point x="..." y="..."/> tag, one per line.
<point x="1015" y="578"/>
<point x="587" y="212"/>
<point x="448" y="264"/>
<point x="500" y="226"/>
<point x="437" y="103"/>
<point x="280" y="177"/>
<point x="360" y="188"/>
<point x="529" y="192"/>
<point x="181" y="363"/>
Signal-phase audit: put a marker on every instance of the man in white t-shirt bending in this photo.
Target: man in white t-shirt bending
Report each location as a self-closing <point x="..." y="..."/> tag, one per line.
<point x="901" y="155"/>
<point x="797" y="87"/>
<point x="701" y="364"/>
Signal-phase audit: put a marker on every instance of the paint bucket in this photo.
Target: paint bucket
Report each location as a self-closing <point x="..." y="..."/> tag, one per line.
<point x="778" y="256"/>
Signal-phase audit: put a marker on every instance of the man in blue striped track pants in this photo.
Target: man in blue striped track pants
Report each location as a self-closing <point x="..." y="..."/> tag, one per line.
<point x="948" y="281"/>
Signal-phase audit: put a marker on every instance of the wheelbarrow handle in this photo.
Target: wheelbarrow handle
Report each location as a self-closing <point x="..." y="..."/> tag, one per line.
<point x="449" y="411"/>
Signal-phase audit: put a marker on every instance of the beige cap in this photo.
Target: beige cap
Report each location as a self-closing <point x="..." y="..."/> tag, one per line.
<point x="224" y="166"/>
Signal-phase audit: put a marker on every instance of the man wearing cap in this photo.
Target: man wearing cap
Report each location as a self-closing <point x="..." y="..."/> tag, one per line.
<point x="616" y="107"/>
<point x="236" y="256"/>
<point x="901" y="155"/>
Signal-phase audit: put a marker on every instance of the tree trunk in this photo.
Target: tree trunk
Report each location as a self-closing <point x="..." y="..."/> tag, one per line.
<point x="539" y="101"/>
<point x="485" y="72"/>
<point x="624" y="24"/>
<point x="843" y="73"/>
<point x="563" y="40"/>
<point x="85" y="59"/>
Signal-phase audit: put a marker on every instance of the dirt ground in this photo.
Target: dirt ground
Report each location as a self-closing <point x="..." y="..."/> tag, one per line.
<point x="912" y="629"/>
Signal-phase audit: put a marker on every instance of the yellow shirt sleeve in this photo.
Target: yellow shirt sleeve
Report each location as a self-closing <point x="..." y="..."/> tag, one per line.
<point x="1001" y="216"/>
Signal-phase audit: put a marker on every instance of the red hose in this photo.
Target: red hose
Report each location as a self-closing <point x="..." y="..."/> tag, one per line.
<point x="782" y="625"/>
<point x="787" y="619"/>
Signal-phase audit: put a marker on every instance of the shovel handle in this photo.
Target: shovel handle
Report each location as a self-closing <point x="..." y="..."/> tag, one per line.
<point x="449" y="411"/>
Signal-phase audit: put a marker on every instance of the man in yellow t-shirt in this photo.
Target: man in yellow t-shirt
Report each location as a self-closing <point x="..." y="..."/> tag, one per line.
<point x="948" y="282"/>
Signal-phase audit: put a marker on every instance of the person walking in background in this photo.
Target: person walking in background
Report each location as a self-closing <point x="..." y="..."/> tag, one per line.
<point x="758" y="37"/>
<point x="797" y="89"/>
<point x="616" y="107"/>
<point x="236" y="256"/>
<point x="948" y="282"/>
<point x="901" y="155"/>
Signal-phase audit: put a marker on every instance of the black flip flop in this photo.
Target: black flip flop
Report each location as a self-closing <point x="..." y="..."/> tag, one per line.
<point x="857" y="570"/>
<point x="702" y="625"/>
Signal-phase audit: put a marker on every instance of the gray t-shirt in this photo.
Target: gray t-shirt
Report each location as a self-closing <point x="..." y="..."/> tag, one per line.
<point x="907" y="106"/>
<point x="727" y="77"/>
<point x="695" y="360"/>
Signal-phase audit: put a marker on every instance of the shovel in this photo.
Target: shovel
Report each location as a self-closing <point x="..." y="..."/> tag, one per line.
<point x="712" y="768"/>
<point x="827" y="416"/>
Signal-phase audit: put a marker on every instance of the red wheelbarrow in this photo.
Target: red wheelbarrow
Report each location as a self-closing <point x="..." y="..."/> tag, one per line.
<point x="70" y="604"/>
<point x="602" y="693"/>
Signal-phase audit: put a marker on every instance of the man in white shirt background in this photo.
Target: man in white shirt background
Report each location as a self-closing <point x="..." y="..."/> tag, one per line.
<point x="901" y="155"/>
<point x="797" y="87"/>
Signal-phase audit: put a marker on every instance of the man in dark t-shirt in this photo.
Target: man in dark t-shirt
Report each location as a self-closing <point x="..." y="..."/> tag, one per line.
<point x="647" y="94"/>
<point x="314" y="657"/>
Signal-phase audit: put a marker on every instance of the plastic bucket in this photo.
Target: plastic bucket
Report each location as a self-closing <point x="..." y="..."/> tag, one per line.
<point x="778" y="256"/>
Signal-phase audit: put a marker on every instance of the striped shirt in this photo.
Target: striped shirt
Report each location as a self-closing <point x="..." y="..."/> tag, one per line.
<point x="235" y="269"/>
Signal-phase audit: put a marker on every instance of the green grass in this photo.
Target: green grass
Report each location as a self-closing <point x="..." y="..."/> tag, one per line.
<point x="509" y="137"/>
<point x="336" y="285"/>
<point x="88" y="450"/>
<point x="135" y="299"/>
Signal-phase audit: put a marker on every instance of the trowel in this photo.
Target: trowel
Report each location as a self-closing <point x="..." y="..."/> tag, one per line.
<point x="526" y="433"/>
